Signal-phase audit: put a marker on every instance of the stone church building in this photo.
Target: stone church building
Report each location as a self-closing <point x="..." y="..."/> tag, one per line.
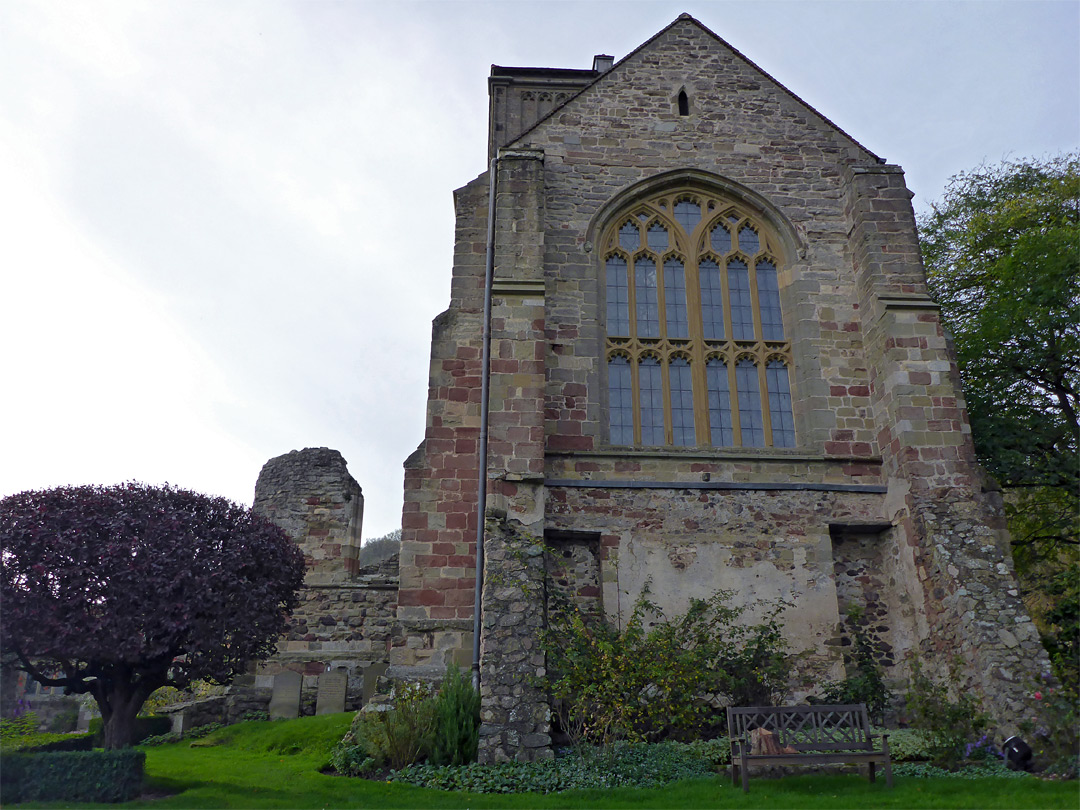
<point x="713" y="365"/>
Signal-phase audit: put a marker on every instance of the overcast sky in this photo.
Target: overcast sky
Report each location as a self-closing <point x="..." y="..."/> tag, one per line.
<point x="225" y="227"/>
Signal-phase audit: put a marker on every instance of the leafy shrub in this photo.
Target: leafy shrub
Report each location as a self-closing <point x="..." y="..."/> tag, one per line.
<point x="906" y="744"/>
<point x="864" y="682"/>
<point x="20" y="726"/>
<point x="623" y="765"/>
<point x="393" y="738"/>
<point x="949" y="724"/>
<point x="40" y="742"/>
<point x="457" y="720"/>
<point x="1052" y="733"/>
<point x="82" y="776"/>
<point x="641" y="684"/>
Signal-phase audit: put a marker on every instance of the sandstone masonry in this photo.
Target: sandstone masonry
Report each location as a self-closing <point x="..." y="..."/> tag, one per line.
<point x="872" y="499"/>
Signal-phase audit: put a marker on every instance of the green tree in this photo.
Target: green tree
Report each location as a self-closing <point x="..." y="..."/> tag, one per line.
<point x="1002" y="254"/>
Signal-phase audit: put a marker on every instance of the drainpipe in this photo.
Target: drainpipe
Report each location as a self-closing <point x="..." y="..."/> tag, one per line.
<point x="485" y="377"/>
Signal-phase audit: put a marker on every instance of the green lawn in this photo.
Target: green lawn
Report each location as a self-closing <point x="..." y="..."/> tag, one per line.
<point x="259" y="765"/>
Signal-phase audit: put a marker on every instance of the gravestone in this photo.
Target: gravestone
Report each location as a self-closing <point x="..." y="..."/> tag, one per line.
<point x="331" y="695"/>
<point x="372" y="673"/>
<point x="285" y="699"/>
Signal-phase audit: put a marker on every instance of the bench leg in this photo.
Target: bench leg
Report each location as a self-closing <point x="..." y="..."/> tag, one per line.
<point x="873" y="774"/>
<point x="734" y="773"/>
<point x="745" y="772"/>
<point x="888" y="773"/>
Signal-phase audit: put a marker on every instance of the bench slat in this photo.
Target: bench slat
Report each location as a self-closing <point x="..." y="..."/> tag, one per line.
<point x="820" y="734"/>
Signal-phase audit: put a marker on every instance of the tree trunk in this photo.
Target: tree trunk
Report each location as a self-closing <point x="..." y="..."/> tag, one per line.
<point x="119" y="708"/>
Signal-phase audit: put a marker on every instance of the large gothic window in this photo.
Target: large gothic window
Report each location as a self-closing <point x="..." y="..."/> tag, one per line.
<point x="696" y="352"/>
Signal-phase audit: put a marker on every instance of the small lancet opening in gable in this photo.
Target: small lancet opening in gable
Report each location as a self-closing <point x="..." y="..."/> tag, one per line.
<point x="684" y="102"/>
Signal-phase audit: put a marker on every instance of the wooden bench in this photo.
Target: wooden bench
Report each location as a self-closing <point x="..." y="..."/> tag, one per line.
<point x="818" y="735"/>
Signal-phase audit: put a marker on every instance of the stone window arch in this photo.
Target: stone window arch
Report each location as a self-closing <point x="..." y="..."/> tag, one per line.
<point x="696" y="349"/>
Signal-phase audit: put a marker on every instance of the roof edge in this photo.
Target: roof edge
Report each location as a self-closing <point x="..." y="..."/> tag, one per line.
<point x="725" y="43"/>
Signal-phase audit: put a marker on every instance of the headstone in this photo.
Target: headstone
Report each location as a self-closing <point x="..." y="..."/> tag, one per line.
<point x="332" y="688"/>
<point x="285" y="698"/>
<point x="372" y="673"/>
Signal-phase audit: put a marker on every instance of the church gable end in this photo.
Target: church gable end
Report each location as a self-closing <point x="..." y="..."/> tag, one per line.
<point x="714" y="365"/>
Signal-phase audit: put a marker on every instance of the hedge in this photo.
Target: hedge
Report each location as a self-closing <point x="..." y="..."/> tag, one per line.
<point x="72" y="776"/>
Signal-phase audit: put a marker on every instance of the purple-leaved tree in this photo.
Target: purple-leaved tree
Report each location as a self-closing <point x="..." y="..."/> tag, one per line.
<point x="120" y="590"/>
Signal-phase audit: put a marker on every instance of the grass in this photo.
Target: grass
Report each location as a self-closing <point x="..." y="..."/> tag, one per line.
<point x="267" y="765"/>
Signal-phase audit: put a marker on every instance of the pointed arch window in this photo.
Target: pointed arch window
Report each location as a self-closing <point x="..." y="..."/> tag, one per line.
<point x="696" y="349"/>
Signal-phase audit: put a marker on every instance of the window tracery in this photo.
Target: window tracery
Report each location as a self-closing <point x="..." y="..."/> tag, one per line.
<point x="696" y="351"/>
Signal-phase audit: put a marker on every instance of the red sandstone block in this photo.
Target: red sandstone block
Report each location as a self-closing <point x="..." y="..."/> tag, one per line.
<point x="465" y="446"/>
<point x="837" y="391"/>
<point x="843" y="435"/>
<point x="461" y="597"/>
<point x="570" y="442"/>
<point x="430" y="560"/>
<point x="457" y="395"/>
<point x="838" y="448"/>
<point x="414" y="521"/>
<point x="427" y="596"/>
<point x="313" y="501"/>
<point x="461" y="560"/>
<point x="457" y="521"/>
<point x="861" y="449"/>
<point x="851" y="326"/>
<point x="859" y="391"/>
<point x="919" y="378"/>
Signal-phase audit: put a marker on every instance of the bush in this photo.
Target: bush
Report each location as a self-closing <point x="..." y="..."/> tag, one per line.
<point x="83" y="776"/>
<point x="948" y="724"/>
<point x="1052" y="733"/>
<point x="393" y="738"/>
<point x="641" y="684"/>
<point x="623" y="765"/>
<point x="20" y="726"/>
<point x="40" y="742"/>
<point x="457" y="720"/>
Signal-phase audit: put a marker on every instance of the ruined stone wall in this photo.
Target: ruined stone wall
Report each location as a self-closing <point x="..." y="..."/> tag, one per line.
<point x="310" y="494"/>
<point x="951" y="532"/>
<point x="346" y="615"/>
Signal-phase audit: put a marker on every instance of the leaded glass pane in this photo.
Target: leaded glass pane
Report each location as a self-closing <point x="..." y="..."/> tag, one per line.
<point x="712" y="300"/>
<point x="620" y="402"/>
<point x="721" y="240"/>
<point x="682" y="403"/>
<point x="651" y="402"/>
<point x="687" y="214"/>
<point x="648" y="302"/>
<point x="657" y="237"/>
<point x="742" y="311"/>
<point x="618" y="297"/>
<point x="750" y="418"/>
<point x="675" y="299"/>
<point x="629" y="237"/>
<point x="721" y="433"/>
<point x="772" y="322"/>
<point x="748" y="241"/>
<point x="783" y="423"/>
